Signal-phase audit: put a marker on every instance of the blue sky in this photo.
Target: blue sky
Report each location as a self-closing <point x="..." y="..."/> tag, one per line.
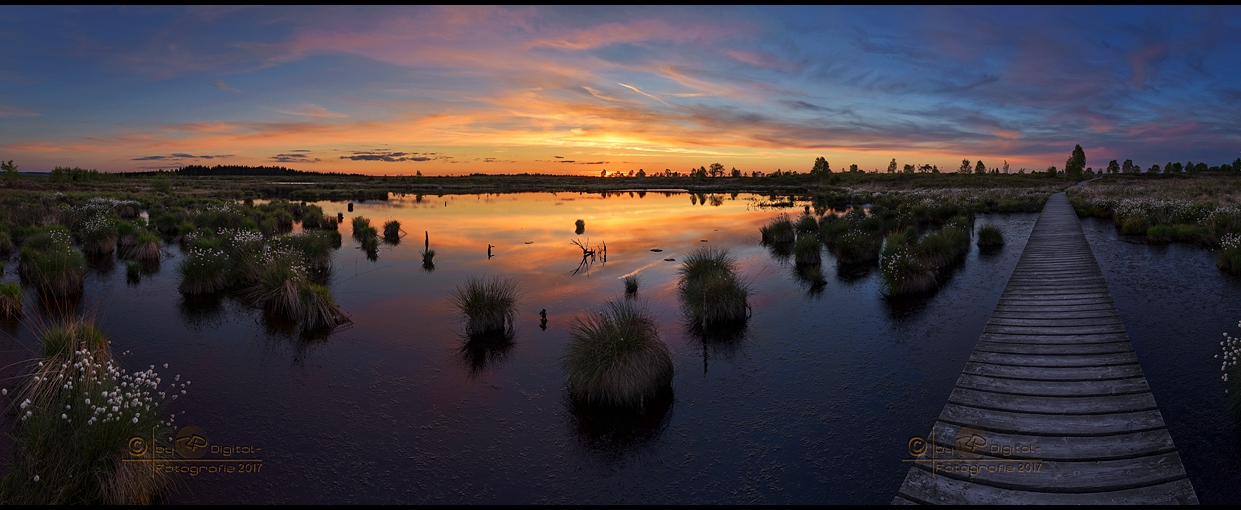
<point x="453" y="90"/>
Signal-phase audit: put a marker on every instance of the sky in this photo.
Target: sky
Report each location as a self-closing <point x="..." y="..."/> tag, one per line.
<point x="453" y="90"/>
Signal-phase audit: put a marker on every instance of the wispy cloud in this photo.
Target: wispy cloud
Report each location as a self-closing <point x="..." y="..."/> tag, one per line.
<point x="219" y="84"/>
<point x="179" y="156"/>
<point x="12" y="111"/>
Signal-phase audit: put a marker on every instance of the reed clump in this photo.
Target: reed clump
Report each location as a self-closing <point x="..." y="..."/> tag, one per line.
<point x="711" y="292"/>
<point x="488" y="304"/>
<point x="905" y="273"/>
<point x="579" y="226"/>
<point x="616" y="357"/>
<point x="205" y="271"/>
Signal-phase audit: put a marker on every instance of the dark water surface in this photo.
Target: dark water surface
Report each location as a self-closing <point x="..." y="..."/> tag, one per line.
<point x="815" y="403"/>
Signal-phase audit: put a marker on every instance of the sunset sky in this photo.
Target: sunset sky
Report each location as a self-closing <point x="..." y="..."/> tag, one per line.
<point x="456" y="90"/>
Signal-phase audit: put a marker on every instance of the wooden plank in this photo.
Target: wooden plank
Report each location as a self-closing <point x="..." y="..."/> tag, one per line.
<point x="1056" y="330"/>
<point x="1051" y="360"/>
<point x="1054" y="373"/>
<point x="1053" y="388"/>
<point x="922" y="487"/>
<point x="1052" y="424"/>
<point x="1053" y="405"/>
<point x="1054" y="339"/>
<point x="1124" y="445"/>
<point x="1053" y="349"/>
<point x="1066" y="476"/>
<point x="1050" y="321"/>
<point x="1019" y="313"/>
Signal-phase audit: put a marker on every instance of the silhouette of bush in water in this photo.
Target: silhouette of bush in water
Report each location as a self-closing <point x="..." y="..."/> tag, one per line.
<point x="614" y="428"/>
<point x="488" y="304"/>
<point x="616" y="356"/>
<point x="711" y="292"/>
<point x="580" y="227"/>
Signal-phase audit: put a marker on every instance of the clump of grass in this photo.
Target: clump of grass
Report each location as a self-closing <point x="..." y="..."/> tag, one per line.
<point x="78" y="412"/>
<point x="580" y="227"/>
<point x="133" y="271"/>
<point x="50" y="264"/>
<point x="1180" y="233"/>
<point x="204" y="271"/>
<point x="361" y="225"/>
<point x="806" y="251"/>
<point x="319" y="309"/>
<point x="1134" y="226"/>
<point x="488" y="304"/>
<point x="98" y="236"/>
<point x="631" y="284"/>
<point x="10" y="300"/>
<point x="392" y="232"/>
<point x="990" y="236"/>
<point x="145" y="248"/>
<point x="428" y="260"/>
<point x="943" y="248"/>
<point x="807" y="225"/>
<point x="905" y="273"/>
<point x="779" y="231"/>
<point x="711" y="292"/>
<point x="6" y="244"/>
<point x="1230" y="254"/>
<point x="616" y="357"/>
<point x="857" y="247"/>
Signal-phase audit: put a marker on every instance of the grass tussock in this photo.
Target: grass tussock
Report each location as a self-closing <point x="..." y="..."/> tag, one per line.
<point x="205" y="271"/>
<point x="392" y="232"/>
<point x="904" y="272"/>
<point x="779" y="230"/>
<point x="1229" y="259"/>
<point x="579" y="227"/>
<point x="806" y="250"/>
<point x="145" y="248"/>
<point x="631" y="284"/>
<point x="6" y="244"/>
<point x="362" y="227"/>
<point x="990" y="236"/>
<point x="77" y="412"/>
<point x="10" y="300"/>
<point x="488" y="304"/>
<point x="806" y="224"/>
<point x="711" y="292"/>
<point x="51" y="265"/>
<point x="857" y="247"/>
<point x="616" y="357"/>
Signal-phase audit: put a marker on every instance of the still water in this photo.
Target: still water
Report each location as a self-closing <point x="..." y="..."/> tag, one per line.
<point x="814" y="403"/>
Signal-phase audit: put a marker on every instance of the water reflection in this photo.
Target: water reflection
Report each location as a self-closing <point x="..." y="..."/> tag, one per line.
<point x="480" y="352"/>
<point x="202" y="311"/>
<point x="617" y="430"/>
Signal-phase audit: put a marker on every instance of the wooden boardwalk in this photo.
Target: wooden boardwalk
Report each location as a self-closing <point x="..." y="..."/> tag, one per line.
<point x="1053" y="378"/>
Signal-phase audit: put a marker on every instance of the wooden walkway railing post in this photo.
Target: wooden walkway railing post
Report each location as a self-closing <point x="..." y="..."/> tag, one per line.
<point x="1052" y="406"/>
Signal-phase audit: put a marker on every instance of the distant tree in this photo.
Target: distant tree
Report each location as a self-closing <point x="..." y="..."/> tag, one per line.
<point x="10" y="170"/>
<point x="1051" y="171"/>
<point x="980" y="168"/>
<point x="1076" y="163"/>
<point x="716" y="170"/>
<point x="1006" y="166"/>
<point x="1236" y="165"/>
<point x="965" y="167"/>
<point x="735" y="172"/>
<point x="603" y="173"/>
<point x="641" y="173"/>
<point x="853" y="169"/>
<point x="1113" y="167"/>
<point x="1200" y="167"/>
<point x="934" y="169"/>
<point x="892" y="166"/>
<point x="821" y="167"/>
<point x="1154" y="169"/>
<point x="908" y="168"/>
<point x="1127" y="167"/>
